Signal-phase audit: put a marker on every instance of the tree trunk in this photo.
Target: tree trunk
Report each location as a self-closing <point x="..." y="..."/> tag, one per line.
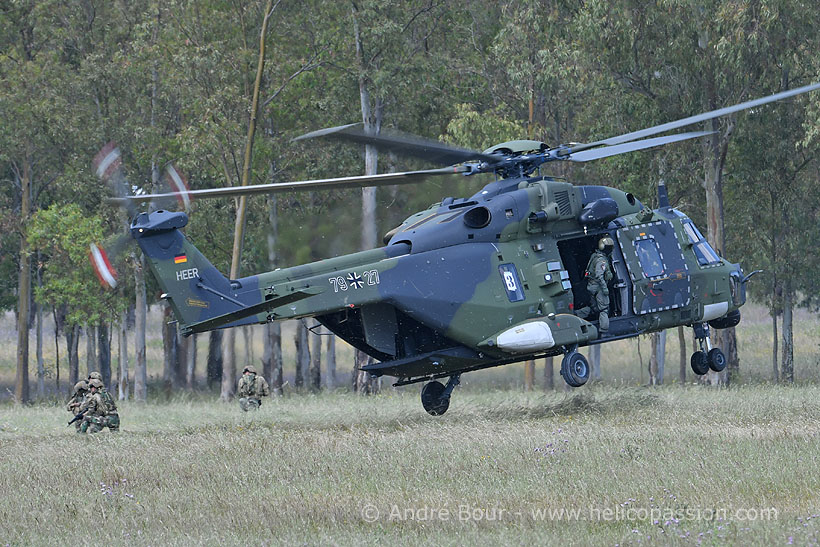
<point x="228" y="365"/>
<point x="104" y="353"/>
<point x="682" y="343"/>
<point x="716" y="149"/>
<point x="316" y="361"/>
<point x="363" y="383"/>
<point x="91" y="362"/>
<point x="228" y="344"/>
<point x="302" y="353"/>
<point x="57" y="325"/>
<point x="549" y="376"/>
<point x="140" y="315"/>
<point x="775" y="371"/>
<point x="123" y="367"/>
<point x="170" y="350"/>
<point x="72" y="342"/>
<point x="21" y="387"/>
<point x="41" y="369"/>
<point x="595" y="361"/>
<point x="653" y="359"/>
<point x="272" y="357"/>
<point x="190" y="363"/>
<point x="213" y="373"/>
<point x="330" y="359"/>
<point x="529" y="375"/>
<point x="372" y="111"/>
<point x="787" y="361"/>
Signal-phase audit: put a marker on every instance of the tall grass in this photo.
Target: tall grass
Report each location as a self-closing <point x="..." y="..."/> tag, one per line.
<point x="342" y="469"/>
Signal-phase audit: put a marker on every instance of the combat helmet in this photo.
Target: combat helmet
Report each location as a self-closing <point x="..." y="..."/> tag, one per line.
<point x="96" y="383"/>
<point x="95" y="376"/>
<point x="249" y="368"/>
<point x="82" y="385"/>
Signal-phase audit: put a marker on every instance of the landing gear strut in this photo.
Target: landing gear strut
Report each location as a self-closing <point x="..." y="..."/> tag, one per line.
<point x="574" y="368"/>
<point x="707" y="357"/>
<point x="435" y="396"/>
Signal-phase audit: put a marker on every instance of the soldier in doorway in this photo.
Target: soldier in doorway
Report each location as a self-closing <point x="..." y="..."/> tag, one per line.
<point x="598" y="275"/>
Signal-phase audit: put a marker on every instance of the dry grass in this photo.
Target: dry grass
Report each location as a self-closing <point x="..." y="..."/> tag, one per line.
<point x="303" y="470"/>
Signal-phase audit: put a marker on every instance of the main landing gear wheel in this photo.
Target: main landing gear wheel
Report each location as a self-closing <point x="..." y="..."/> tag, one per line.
<point x="708" y="357"/>
<point x="716" y="359"/>
<point x="435" y="396"/>
<point x="575" y="369"/>
<point x="700" y="363"/>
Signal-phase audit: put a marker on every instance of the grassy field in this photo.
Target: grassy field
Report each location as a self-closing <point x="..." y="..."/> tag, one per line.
<point x="602" y="465"/>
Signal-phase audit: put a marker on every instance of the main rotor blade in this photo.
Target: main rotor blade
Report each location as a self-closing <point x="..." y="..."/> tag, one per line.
<point x="606" y="151"/>
<point x="695" y="119"/>
<point x="411" y="145"/>
<point x="384" y="179"/>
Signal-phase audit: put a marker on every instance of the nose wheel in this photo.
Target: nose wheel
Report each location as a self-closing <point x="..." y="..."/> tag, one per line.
<point x="435" y="396"/>
<point x="574" y="368"/>
<point x="707" y="357"/>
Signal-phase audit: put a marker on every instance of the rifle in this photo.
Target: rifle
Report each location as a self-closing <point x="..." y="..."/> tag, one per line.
<point x="78" y="417"/>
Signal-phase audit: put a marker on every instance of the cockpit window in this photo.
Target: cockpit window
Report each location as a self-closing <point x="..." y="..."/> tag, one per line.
<point x="705" y="253"/>
<point x="649" y="257"/>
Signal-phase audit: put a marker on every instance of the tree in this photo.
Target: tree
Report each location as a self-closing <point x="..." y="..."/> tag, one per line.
<point x="63" y="234"/>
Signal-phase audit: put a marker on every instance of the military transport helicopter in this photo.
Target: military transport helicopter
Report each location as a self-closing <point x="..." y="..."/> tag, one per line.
<point x="476" y="282"/>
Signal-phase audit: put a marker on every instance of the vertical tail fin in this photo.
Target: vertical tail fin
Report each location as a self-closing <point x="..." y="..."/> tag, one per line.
<point x="196" y="290"/>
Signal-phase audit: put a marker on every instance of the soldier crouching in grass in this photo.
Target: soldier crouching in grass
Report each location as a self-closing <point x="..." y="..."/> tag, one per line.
<point x="77" y="398"/>
<point x="251" y="388"/>
<point x="99" y="410"/>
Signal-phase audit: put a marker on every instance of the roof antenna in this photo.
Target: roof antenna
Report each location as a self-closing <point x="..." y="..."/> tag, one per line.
<point x="663" y="196"/>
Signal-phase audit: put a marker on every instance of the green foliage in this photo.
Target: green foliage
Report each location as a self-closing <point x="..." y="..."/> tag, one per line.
<point x="480" y="130"/>
<point x="64" y="234"/>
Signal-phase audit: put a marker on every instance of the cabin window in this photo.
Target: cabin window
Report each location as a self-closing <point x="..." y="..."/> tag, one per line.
<point x="649" y="257"/>
<point x="704" y="252"/>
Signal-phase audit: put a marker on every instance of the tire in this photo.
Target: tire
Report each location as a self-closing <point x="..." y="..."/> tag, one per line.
<point x="716" y="359"/>
<point x="431" y="398"/>
<point x="575" y="369"/>
<point x="699" y="362"/>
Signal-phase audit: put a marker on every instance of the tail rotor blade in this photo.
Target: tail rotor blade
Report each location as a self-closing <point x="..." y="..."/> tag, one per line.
<point x="175" y="191"/>
<point x="102" y="267"/>
<point x="108" y="167"/>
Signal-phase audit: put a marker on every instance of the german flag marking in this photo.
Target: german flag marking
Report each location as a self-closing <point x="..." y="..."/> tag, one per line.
<point x="180" y="259"/>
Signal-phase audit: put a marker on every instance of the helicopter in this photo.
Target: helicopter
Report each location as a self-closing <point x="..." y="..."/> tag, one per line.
<point x="480" y="281"/>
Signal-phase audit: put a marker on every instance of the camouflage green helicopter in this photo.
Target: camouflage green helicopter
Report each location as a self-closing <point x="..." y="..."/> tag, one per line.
<point x="476" y="282"/>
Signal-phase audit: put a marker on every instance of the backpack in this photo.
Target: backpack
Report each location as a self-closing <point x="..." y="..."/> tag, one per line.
<point x="108" y="401"/>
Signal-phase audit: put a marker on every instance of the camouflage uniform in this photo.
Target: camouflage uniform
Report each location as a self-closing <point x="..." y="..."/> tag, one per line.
<point x="77" y="398"/>
<point x="251" y="388"/>
<point x="598" y="275"/>
<point x="101" y="411"/>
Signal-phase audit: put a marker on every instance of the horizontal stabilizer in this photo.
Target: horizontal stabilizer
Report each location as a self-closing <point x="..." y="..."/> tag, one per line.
<point x="264" y="306"/>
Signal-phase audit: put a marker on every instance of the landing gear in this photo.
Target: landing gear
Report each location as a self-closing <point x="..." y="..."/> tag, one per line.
<point x="574" y="368"/>
<point x="717" y="361"/>
<point x="708" y="357"/>
<point x="435" y="396"/>
<point x="699" y="362"/>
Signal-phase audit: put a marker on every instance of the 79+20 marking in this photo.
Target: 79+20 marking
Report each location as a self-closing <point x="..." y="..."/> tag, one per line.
<point x="354" y="280"/>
